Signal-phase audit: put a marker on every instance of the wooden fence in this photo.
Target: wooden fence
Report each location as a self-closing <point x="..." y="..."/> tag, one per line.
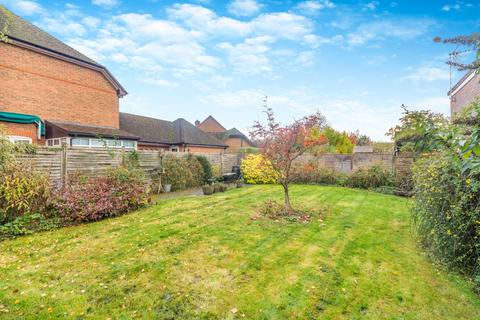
<point x="61" y="162"/>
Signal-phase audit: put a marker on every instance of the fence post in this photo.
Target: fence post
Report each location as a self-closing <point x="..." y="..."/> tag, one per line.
<point x="221" y="163"/>
<point x="64" y="173"/>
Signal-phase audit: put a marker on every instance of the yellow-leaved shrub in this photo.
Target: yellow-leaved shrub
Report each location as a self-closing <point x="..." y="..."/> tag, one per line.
<point x="258" y="170"/>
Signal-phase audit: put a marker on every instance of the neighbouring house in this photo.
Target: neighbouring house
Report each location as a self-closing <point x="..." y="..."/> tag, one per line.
<point x="233" y="138"/>
<point x="465" y="91"/>
<point x="52" y="94"/>
<point x="179" y="135"/>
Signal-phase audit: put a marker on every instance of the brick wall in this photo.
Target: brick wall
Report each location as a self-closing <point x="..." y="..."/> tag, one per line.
<point x="234" y="144"/>
<point x="210" y="125"/>
<point x="53" y="89"/>
<point x="23" y="130"/>
<point x="465" y="95"/>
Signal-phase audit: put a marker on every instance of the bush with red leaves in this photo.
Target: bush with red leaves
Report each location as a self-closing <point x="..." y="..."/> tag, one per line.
<point x="91" y="199"/>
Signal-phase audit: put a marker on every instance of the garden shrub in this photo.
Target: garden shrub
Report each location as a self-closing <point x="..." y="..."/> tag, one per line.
<point x="207" y="168"/>
<point x="91" y="199"/>
<point x="23" y="191"/>
<point x="182" y="172"/>
<point x="28" y="224"/>
<point x="216" y="171"/>
<point x="219" y="187"/>
<point x="312" y="173"/>
<point x="208" y="190"/>
<point x="257" y="170"/>
<point x="370" y="178"/>
<point x="274" y="210"/>
<point x="446" y="212"/>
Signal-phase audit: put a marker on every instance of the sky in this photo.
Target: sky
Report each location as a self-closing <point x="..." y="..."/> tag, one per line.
<point x="355" y="61"/>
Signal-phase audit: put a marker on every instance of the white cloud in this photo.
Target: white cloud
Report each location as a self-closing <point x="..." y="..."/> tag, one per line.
<point x="158" y="82"/>
<point x="91" y="22"/>
<point x="205" y="20"/>
<point x="313" y="6"/>
<point x="23" y="7"/>
<point x="305" y="59"/>
<point x="61" y="26"/>
<point x="142" y="42"/>
<point x="370" y="6"/>
<point x="427" y="74"/>
<point x="283" y="25"/>
<point x="234" y="99"/>
<point x="450" y="7"/>
<point x="105" y="3"/>
<point x="316" y="41"/>
<point x="371" y="117"/>
<point x="244" y="7"/>
<point x="437" y="104"/>
<point x="250" y="56"/>
<point x="404" y="29"/>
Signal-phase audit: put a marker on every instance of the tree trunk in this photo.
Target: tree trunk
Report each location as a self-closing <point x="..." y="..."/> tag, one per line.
<point x="287" y="198"/>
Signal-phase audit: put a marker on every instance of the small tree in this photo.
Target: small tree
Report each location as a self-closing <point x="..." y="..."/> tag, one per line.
<point x="281" y="145"/>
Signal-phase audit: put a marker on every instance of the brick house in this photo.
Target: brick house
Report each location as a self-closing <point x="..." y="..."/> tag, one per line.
<point x="233" y="138"/>
<point x="465" y="91"/>
<point x="179" y="135"/>
<point x="52" y="94"/>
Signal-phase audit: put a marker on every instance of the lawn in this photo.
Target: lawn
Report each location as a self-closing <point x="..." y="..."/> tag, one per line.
<point x="205" y="258"/>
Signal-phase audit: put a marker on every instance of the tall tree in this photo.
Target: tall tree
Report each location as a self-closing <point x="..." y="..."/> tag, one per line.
<point x="281" y="145"/>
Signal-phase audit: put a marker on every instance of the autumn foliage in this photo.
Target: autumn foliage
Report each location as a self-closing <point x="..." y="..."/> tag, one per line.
<point x="281" y="145"/>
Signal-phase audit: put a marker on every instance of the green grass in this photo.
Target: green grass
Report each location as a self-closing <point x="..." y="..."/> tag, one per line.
<point x="204" y="258"/>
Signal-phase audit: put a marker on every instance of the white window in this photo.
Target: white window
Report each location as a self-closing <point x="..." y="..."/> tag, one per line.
<point x="102" y="143"/>
<point x="98" y="143"/>
<point x="19" y="139"/>
<point x="174" y="149"/>
<point x="80" y="142"/>
<point x="129" y="144"/>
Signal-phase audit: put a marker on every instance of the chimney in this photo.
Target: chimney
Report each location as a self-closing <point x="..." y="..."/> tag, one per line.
<point x="197" y="123"/>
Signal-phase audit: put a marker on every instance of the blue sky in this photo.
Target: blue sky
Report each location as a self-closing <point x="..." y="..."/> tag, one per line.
<point x="355" y="61"/>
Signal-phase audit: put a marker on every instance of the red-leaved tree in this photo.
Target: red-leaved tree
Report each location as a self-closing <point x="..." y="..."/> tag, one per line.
<point x="281" y="145"/>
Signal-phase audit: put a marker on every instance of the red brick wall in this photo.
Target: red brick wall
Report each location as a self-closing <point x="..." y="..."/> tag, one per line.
<point x="465" y="95"/>
<point x="53" y="89"/>
<point x="210" y="125"/>
<point x="23" y="130"/>
<point x="234" y="144"/>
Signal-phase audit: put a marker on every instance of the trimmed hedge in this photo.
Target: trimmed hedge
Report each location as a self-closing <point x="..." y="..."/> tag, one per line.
<point x="183" y="172"/>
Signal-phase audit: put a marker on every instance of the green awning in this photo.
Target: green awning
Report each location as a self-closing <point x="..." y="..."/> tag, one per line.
<point x="23" y="118"/>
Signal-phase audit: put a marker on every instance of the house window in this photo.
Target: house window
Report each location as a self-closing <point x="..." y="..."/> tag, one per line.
<point x="98" y="143"/>
<point x="129" y="144"/>
<point x="80" y="142"/>
<point x="174" y="149"/>
<point x="102" y="143"/>
<point x="19" y="139"/>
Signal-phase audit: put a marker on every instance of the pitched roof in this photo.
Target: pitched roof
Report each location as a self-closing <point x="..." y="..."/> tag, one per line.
<point x="72" y="128"/>
<point x="210" y="118"/>
<point x="466" y="77"/>
<point x="23" y="33"/>
<point x="232" y="133"/>
<point x="154" y="130"/>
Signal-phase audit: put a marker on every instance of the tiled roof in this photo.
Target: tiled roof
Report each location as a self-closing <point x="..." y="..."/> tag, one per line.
<point x="23" y="33"/>
<point x="20" y="29"/>
<point x="72" y="128"/>
<point x="232" y="133"/>
<point x="154" y="130"/>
